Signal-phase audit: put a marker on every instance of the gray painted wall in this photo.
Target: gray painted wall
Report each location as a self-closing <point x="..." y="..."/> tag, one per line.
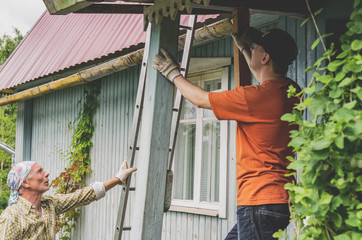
<point x="53" y="117"/>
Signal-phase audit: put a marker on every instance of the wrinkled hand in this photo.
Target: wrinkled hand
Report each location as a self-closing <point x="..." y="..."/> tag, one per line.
<point x="243" y="41"/>
<point x="166" y="66"/>
<point x="124" y="172"/>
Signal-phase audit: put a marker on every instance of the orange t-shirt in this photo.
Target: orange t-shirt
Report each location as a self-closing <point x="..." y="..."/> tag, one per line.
<point x="261" y="138"/>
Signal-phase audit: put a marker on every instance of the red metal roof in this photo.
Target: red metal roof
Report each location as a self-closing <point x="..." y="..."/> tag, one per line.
<point x="59" y="42"/>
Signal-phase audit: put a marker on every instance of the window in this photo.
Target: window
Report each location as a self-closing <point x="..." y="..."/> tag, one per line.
<point x="200" y="160"/>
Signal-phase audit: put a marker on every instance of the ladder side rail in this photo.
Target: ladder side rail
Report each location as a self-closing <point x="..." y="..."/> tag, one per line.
<point x="133" y="140"/>
<point x="179" y="98"/>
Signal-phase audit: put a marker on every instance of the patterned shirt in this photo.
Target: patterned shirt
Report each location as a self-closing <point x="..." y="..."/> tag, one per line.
<point x="21" y="221"/>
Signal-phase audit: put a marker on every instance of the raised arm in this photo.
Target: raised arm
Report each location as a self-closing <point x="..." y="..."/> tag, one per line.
<point x="86" y="195"/>
<point x="171" y="70"/>
<point x="120" y="178"/>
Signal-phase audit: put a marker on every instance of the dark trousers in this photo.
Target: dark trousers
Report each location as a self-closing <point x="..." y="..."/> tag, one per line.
<point x="259" y="222"/>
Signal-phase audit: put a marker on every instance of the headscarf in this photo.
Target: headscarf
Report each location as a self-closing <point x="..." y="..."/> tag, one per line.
<point x="16" y="177"/>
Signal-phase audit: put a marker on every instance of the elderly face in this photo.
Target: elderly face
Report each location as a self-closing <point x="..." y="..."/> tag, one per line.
<point x="38" y="179"/>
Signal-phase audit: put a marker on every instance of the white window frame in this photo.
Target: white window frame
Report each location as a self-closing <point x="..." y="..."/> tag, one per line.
<point x="196" y="206"/>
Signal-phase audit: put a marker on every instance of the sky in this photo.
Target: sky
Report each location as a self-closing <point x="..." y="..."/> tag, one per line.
<point x="21" y="14"/>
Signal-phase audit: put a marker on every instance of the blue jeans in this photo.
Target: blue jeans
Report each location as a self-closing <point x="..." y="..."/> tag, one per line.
<point x="259" y="222"/>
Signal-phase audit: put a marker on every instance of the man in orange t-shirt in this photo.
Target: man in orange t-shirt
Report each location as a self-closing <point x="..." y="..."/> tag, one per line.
<point x="261" y="137"/>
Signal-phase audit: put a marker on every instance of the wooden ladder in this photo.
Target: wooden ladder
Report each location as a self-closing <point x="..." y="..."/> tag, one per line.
<point x="132" y="148"/>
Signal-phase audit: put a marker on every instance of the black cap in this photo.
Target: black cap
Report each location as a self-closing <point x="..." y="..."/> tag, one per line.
<point x="278" y="43"/>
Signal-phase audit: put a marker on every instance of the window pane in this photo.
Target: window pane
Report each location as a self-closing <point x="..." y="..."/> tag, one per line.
<point x="210" y="86"/>
<point x="210" y="161"/>
<point x="188" y="110"/>
<point x="184" y="162"/>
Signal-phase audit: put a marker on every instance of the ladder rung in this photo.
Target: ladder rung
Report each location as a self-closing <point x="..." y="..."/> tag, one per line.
<point x="186" y="27"/>
<point x="175" y="109"/>
<point x="183" y="69"/>
<point x="130" y="189"/>
<point x="137" y="148"/>
<point x="124" y="228"/>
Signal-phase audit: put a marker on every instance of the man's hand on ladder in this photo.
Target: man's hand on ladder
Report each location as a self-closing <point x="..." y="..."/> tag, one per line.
<point x="166" y="66"/>
<point x="124" y="172"/>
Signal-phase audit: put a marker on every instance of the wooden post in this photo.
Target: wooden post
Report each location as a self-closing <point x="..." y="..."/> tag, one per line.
<point x="242" y="74"/>
<point x="27" y="129"/>
<point x="147" y="212"/>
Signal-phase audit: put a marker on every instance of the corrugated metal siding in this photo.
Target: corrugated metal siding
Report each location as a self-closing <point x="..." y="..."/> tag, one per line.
<point x="113" y="123"/>
<point x="52" y="130"/>
<point x="19" y="132"/>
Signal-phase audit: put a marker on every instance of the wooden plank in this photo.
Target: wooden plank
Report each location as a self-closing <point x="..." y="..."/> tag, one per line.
<point x="28" y="129"/>
<point x="138" y="9"/>
<point x="224" y="130"/>
<point x="199" y="211"/>
<point x="61" y="7"/>
<point x="296" y="7"/>
<point x="242" y="75"/>
<point x="154" y="139"/>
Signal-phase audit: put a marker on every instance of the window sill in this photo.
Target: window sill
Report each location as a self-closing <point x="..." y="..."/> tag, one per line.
<point x="199" y="211"/>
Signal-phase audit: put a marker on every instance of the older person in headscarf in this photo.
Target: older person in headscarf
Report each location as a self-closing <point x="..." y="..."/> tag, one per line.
<point x="32" y="214"/>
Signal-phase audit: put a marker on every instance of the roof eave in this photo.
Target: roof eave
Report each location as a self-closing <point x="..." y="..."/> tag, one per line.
<point x="292" y="7"/>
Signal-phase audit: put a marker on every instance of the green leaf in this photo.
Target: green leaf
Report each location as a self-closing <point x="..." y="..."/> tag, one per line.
<point x="309" y="69"/>
<point x="356" y="235"/>
<point x="343" y="54"/>
<point x="344" y="114"/>
<point x="303" y="105"/>
<point x="350" y="105"/>
<point x="339" y="141"/>
<point x="320" y="154"/>
<point x="327" y="35"/>
<point x="288" y="117"/>
<point x="336" y="202"/>
<point x="352" y="220"/>
<point x="339" y="76"/>
<point x="356" y="3"/>
<point x="312" y="89"/>
<point x="342" y="237"/>
<point x="334" y="65"/>
<point x="296" y="165"/>
<point x="358" y="91"/>
<point x="355" y="27"/>
<point x="336" y="92"/>
<point x="298" y="141"/>
<point x="316" y="13"/>
<point x="305" y="21"/>
<point x="278" y="234"/>
<point x="354" y="67"/>
<point x="322" y="144"/>
<point x="317" y="105"/>
<point x="315" y="44"/>
<point x="356" y="45"/>
<point x="326" y="198"/>
<point x="353" y="130"/>
<point x="345" y="82"/>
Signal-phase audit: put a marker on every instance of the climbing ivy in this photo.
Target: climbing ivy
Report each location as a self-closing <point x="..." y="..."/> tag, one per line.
<point x="73" y="178"/>
<point x="326" y="203"/>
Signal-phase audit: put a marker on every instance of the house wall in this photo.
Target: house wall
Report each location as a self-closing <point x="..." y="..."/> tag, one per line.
<point x="53" y="117"/>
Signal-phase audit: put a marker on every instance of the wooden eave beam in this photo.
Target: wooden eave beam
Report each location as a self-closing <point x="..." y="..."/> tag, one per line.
<point x="283" y="6"/>
<point x="242" y="74"/>
<point x="138" y="9"/>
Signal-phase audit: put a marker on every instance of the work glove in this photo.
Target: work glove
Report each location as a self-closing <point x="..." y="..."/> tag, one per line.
<point x="124" y="172"/>
<point x="166" y="66"/>
<point x="243" y="41"/>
